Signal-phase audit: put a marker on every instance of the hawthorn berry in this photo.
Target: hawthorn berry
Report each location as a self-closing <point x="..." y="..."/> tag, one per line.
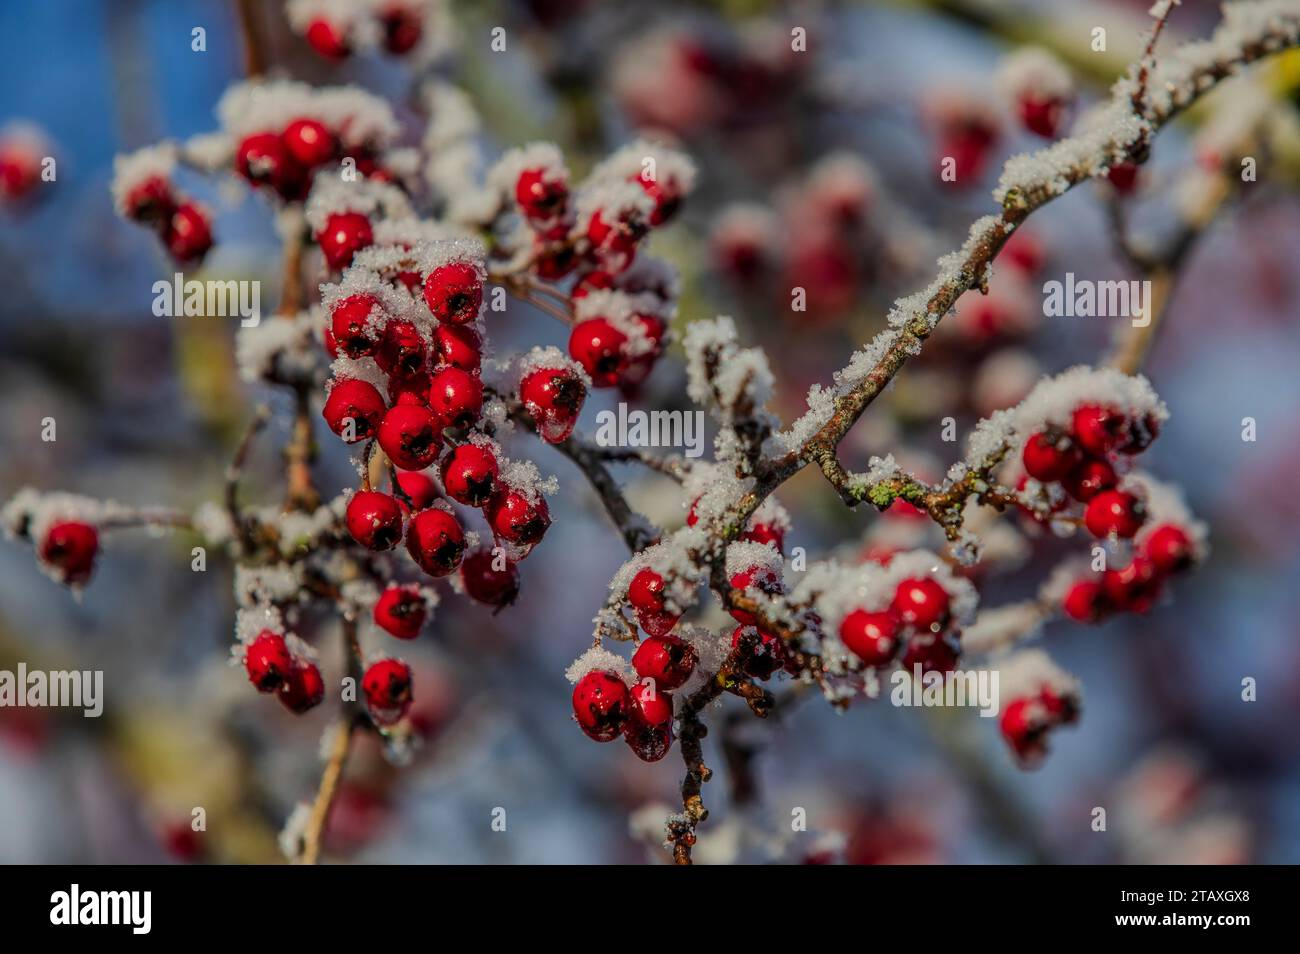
<point x="456" y="397"/>
<point x="518" y="518"/>
<point x="302" y="688"/>
<point x="649" y="743"/>
<point x="1089" y="478"/>
<point x="646" y="594"/>
<point x="599" y="347"/>
<point x="1049" y="456"/>
<point x="759" y="531"/>
<point x="614" y="238"/>
<point x="327" y="39"/>
<point x="668" y="660"/>
<point x="417" y="486"/>
<point x="666" y="197"/>
<point x="1123" y="176"/>
<point x="267" y="661"/>
<point x="1098" y="428"/>
<point x="762" y="578"/>
<point x="457" y="346"/>
<point x="486" y="583"/>
<point x="402" y="29"/>
<point x="352" y="327"/>
<point x="262" y="159"/>
<point x="601" y="704"/>
<point x="409" y="436"/>
<point x="1169" y="548"/>
<point x="1086" y="602"/>
<point x="435" y="541"/>
<point x="1116" y="512"/>
<point x="401" y="610"/>
<point x="872" y="637"/>
<point x="469" y="474"/>
<point x="356" y="401"/>
<point x="650" y="704"/>
<point x="150" y="201"/>
<point x="541" y="195"/>
<point x="933" y="653"/>
<point x="70" y="547"/>
<point x="922" y="603"/>
<point x="1133" y="588"/>
<point x="401" y="350"/>
<point x="454" y="293"/>
<point x="374" y="519"/>
<point x="410" y="388"/>
<point x="1024" y="724"/>
<point x="591" y="281"/>
<point x="553" y="397"/>
<point x="387" y="687"/>
<point x="309" y="142"/>
<point x="345" y="234"/>
<point x="766" y="654"/>
<point x="188" y="234"/>
<point x="1062" y="708"/>
<point x="1042" y="114"/>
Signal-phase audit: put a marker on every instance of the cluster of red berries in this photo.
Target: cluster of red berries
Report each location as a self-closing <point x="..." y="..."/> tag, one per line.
<point x="918" y="619"/>
<point x="1026" y="721"/>
<point x="273" y="667"/>
<point x="1081" y="459"/>
<point x="183" y="225"/>
<point x="399" y="25"/>
<point x="605" y="706"/>
<point x="284" y="161"/>
<point x="1166" y="550"/>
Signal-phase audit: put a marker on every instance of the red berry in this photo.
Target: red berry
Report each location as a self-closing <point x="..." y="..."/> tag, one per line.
<point x="409" y="436"/>
<point x="872" y="637"/>
<point x="666" y="198"/>
<point x="345" y="234"/>
<point x="457" y="346"/>
<point x="456" y="397"/>
<point x="402" y="30"/>
<point x="518" y="518"/>
<point x="639" y="366"/>
<point x="303" y="688"/>
<point x="151" y="201"/>
<point x="763" y="579"/>
<point x="766" y="656"/>
<point x="1134" y="588"/>
<point x="1114" y="512"/>
<point x="1042" y="115"/>
<point x="419" y="487"/>
<point x="598" y="346"/>
<point x="267" y="661"/>
<point x="541" y="195"/>
<point x="922" y="603"/>
<point x="327" y="39"/>
<point x="387" y="686"/>
<point x="1062" y="708"/>
<point x="374" y="519"/>
<point x="1169" y="548"/>
<point x="649" y="743"/>
<point x="1090" y="478"/>
<point x="1024" y="724"/>
<point x="933" y="653"/>
<point x="435" y="541"/>
<point x="1140" y="434"/>
<point x="70" y="547"/>
<point x="353" y="327"/>
<point x="262" y="159"/>
<point x="601" y="703"/>
<point x="1123" y="176"/>
<point x="759" y="532"/>
<point x="1049" y="457"/>
<point x="668" y="660"/>
<point x="401" y="350"/>
<point x="1086" y="602"/>
<point x="592" y="281"/>
<point x="486" y="583"/>
<point x="454" y="293"/>
<point x="553" y="397"/>
<point x="650" y="704"/>
<point x="188" y="233"/>
<point x="1098" y="429"/>
<point x="646" y="594"/>
<point x="614" y="239"/>
<point x="355" y="401"/>
<point x="469" y="474"/>
<point x="309" y="142"/>
<point x="401" y="610"/>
